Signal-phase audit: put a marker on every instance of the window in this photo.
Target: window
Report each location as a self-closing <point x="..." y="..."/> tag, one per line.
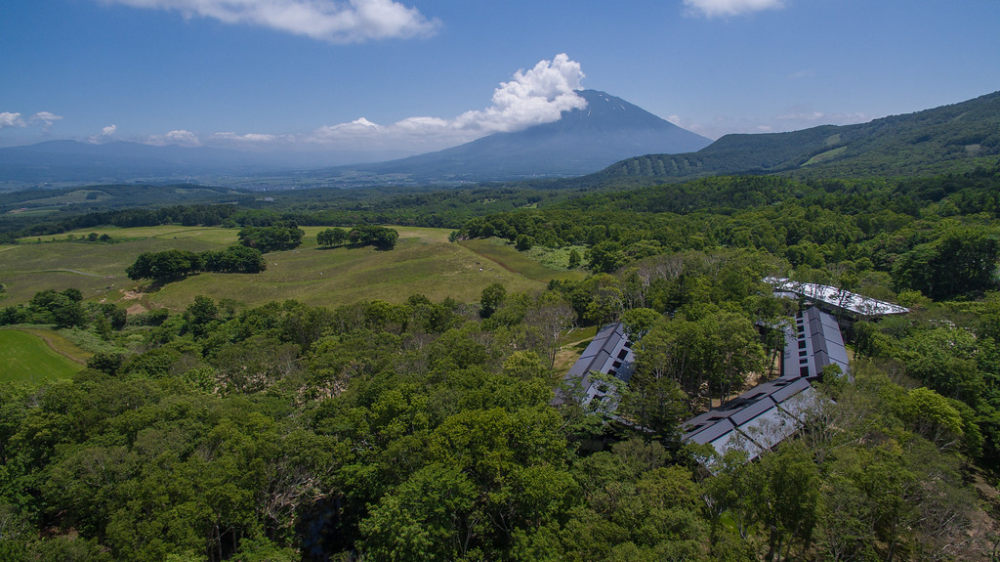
<point x="804" y="371"/>
<point x="623" y="354"/>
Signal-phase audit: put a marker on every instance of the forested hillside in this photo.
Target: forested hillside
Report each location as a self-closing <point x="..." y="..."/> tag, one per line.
<point x="412" y="429"/>
<point x="955" y="137"/>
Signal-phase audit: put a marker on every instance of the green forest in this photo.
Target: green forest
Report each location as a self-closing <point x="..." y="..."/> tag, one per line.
<point x="411" y="429"/>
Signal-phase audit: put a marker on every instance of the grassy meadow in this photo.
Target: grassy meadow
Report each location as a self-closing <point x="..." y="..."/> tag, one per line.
<point x="27" y="356"/>
<point x="422" y="262"/>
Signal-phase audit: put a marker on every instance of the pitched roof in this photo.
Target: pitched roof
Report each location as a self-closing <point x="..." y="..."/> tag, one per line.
<point x="768" y="413"/>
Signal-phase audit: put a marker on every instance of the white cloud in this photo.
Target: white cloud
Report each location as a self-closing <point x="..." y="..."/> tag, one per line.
<point x="533" y="97"/>
<point x="8" y="119"/>
<point x="179" y="137"/>
<point x="422" y="123"/>
<point x="336" y="21"/>
<point x="246" y="138"/>
<point x="538" y="95"/>
<point x="413" y="134"/>
<point x="723" y="8"/>
<point x="46" y="118"/>
<point x="105" y="134"/>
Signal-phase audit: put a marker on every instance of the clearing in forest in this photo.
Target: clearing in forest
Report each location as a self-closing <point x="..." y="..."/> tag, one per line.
<point x="25" y="357"/>
<point x="424" y="261"/>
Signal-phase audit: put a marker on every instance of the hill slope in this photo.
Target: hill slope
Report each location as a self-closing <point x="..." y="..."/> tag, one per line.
<point x="581" y="142"/>
<point x="945" y="138"/>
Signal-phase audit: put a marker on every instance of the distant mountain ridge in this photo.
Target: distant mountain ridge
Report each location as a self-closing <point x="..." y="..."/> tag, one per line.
<point x="945" y="138"/>
<point x="74" y="162"/>
<point x="632" y="146"/>
<point x="581" y="142"/>
<point x="66" y="160"/>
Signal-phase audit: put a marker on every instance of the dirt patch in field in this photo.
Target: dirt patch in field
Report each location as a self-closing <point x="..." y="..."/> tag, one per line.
<point x="136" y="309"/>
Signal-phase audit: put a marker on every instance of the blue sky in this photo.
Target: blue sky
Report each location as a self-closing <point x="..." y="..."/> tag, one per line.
<point x="301" y="74"/>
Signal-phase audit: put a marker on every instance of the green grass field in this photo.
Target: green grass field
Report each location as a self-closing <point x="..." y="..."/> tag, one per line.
<point x="530" y="264"/>
<point x="26" y="358"/>
<point x="422" y="262"/>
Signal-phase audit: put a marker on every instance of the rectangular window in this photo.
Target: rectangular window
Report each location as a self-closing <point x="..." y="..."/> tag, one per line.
<point x="623" y="354"/>
<point x="804" y="372"/>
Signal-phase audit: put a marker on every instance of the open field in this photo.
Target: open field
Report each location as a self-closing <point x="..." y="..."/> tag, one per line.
<point x="96" y="268"/>
<point x="503" y="253"/>
<point x="25" y="357"/>
<point x="422" y="262"/>
<point x="167" y="232"/>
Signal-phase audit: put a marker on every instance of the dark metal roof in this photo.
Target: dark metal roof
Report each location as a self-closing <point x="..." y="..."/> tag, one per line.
<point x="713" y="432"/>
<point x="743" y="415"/>
<point x="601" y="356"/>
<point x="791" y="389"/>
<point x="770" y="412"/>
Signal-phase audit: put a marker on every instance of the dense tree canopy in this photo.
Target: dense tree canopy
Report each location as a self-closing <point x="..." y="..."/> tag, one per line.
<point x="281" y="236"/>
<point x="171" y="265"/>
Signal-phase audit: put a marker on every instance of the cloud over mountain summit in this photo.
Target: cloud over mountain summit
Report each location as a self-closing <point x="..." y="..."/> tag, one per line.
<point x="532" y="97"/>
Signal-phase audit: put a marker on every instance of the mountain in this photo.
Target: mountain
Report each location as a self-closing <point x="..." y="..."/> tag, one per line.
<point x="948" y="138"/>
<point x="71" y="161"/>
<point x="582" y="141"/>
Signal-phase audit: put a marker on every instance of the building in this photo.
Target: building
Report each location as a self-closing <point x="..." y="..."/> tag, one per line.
<point x="765" y="415"/>
<point x="813" y="343"/>
<point x="610" y="353"/>
<point x="835" y="300"/>
<point x="755" y="420"/>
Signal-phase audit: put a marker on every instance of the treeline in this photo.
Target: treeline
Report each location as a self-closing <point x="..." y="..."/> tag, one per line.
<point x="65" y="309"/>
<point x="933" y="235"/>
<point x="318" y="207"/>
<point x="187" y="215"/>
<point x="381" y="237"/>
<point x="171" y="265"/>
<point x="283" y="235"/>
